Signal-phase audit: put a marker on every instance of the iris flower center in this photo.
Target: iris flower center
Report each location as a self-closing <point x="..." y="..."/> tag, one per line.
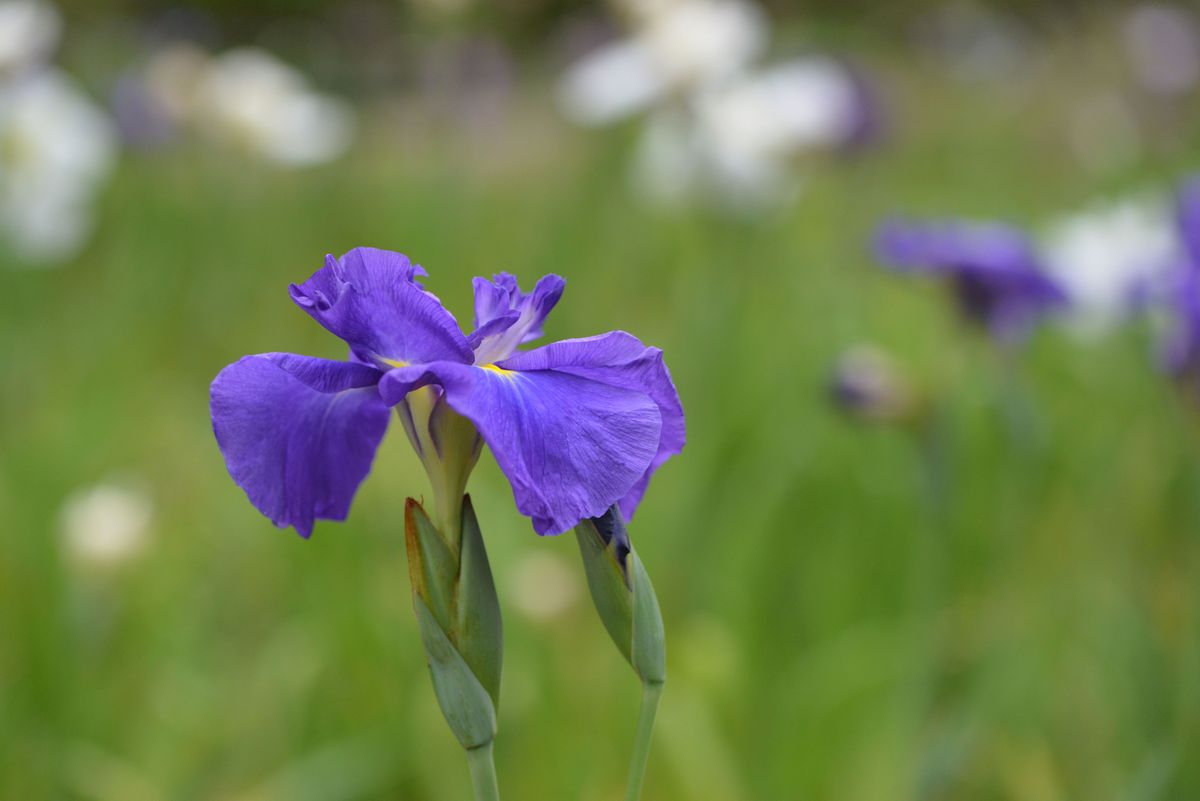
<point x="495" y="368"/>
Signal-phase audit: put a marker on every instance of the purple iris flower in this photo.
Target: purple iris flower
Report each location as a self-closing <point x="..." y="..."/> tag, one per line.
<point x="1181" y="351"/>
<point x="576" y="426"/>
<point x="993" y="269"/>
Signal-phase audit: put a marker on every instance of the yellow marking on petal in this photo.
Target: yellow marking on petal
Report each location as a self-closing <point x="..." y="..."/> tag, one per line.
<point x="509" y="374"/>
<point x="394" y="362"/>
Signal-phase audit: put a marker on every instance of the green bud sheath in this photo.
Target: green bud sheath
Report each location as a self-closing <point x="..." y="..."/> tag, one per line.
<point x="649" y="656"/>
<point x="608" y="585"/>
<point x="459" y="617"/>
<point x="625" y="600"/>
<point x="623" y="595"/>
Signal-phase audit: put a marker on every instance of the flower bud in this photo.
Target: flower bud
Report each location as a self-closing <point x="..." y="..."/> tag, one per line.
<point x="454" y="597"/>
<point x="623" y="595"/>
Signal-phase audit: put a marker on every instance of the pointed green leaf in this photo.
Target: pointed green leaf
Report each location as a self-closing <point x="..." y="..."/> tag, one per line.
<point x="606" y="581"/>
<point x="479" y="632"/>
<point x="432" y="566"/>
<point x="467" y="706"/>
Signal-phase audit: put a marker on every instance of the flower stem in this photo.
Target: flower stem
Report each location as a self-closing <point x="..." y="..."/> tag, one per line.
<point x="483" y="773"/>
<point x="651" y="694"/>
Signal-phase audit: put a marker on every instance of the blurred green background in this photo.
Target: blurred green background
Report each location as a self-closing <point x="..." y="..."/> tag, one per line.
<point x="833" y="632"/>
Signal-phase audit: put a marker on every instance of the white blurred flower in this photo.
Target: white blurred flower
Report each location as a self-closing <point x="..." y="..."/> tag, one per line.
<point x="56" y="147"/>
<point x="811" y="102"/>
<point x="717" y="129"/>
<point x="737" y="139"/>
<point x="29" y="30"/>
<point x="694" y="42"/>
<point x="678" y="47"/>
<point x="544" y="586"/>
<point x="1106" y="254"/>
<point x="250" y="99"/>
<point x="680" y="157"/>
<point x="106" y="524"/>
<point x="1163" y="45"/>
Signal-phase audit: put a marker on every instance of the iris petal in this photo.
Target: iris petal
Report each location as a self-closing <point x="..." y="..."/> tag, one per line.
<point x="370" y="298"/>
<point x="492" y="328"/>
<point x="570" y="445"/>
<point x="619" y="359"/>
<point x="500" y="300"/>
<point x="298" y="434"/>
<point x="996" y="273"/>
<point x="494" y="298"/>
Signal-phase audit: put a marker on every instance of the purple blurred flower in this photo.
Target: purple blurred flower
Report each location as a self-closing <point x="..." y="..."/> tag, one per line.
<point x="1181" y="351"/>
<point x="576" y="426"/>
<point x="142" y="120"/>
<point x="1187" y="217"/>
<point x="995" y="273"/>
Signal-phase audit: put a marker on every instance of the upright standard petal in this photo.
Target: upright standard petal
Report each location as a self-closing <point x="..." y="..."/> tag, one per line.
<point x="370" y="299"/>
<point x="506" y="317"/>
<point x="619" y="359"/>
<point x="571" y="446"/>
<point x="298" y="434"/>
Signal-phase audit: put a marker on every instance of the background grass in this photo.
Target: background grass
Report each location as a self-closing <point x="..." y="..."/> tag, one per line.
<point x="834" y="632"/>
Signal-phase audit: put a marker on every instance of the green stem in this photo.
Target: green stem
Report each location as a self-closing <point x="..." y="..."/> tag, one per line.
<point x="651" y="694"/>
<point x="483" y="773"/>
